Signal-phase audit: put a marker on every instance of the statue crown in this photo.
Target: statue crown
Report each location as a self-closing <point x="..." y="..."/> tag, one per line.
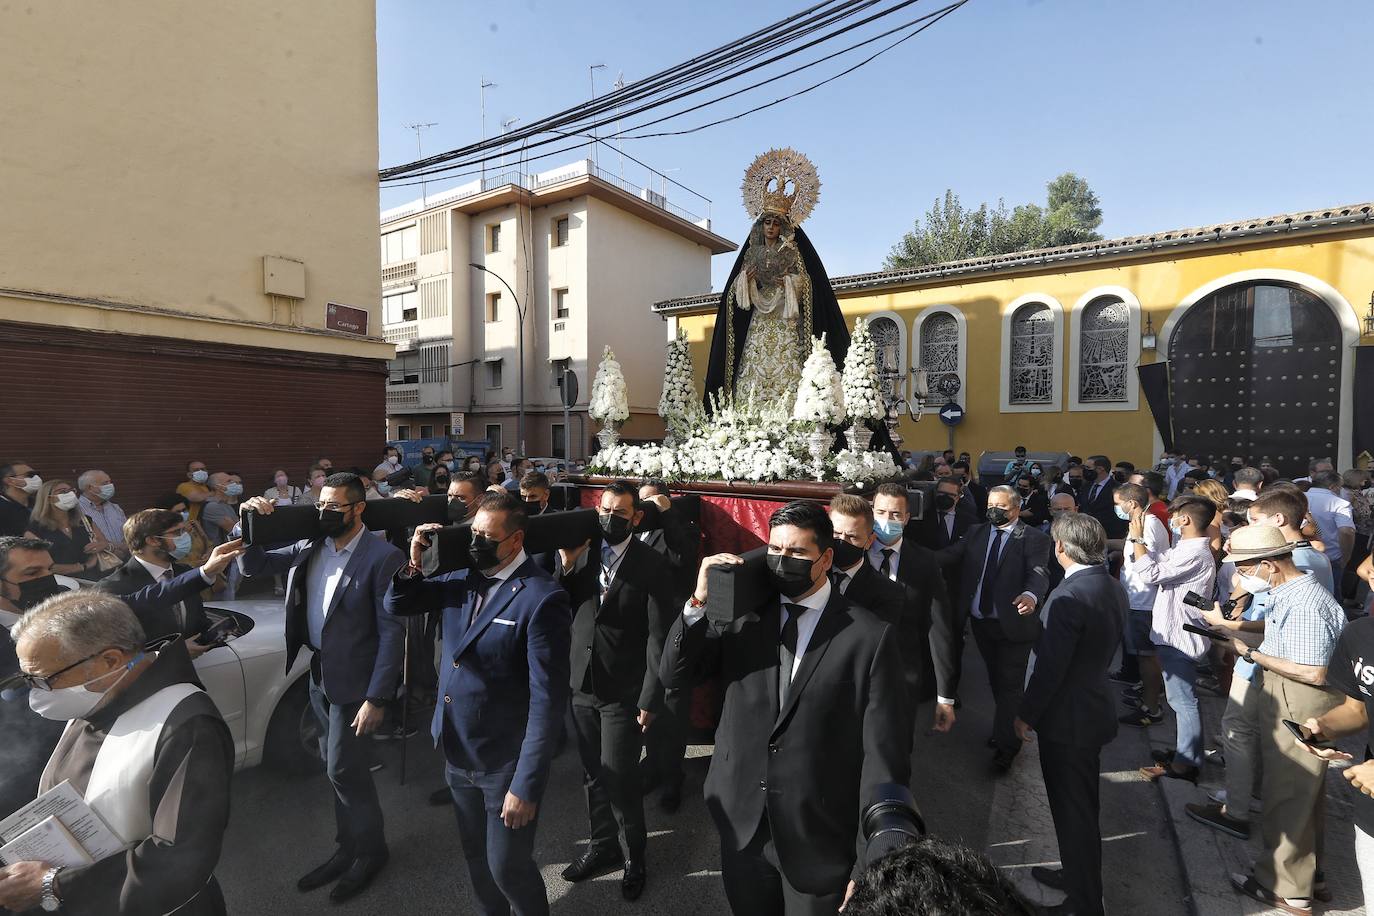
<point x="776" y="196"/>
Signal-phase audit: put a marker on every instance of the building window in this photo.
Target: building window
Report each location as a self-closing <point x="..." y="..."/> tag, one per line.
<point x="1104" y="346"/>
<point x="403" y="431"/>
<point x="556" y="437"/>
<point x="493" y="435"/>
<point x="556" y="370"/>
<point x="940" y="357"/>
<point x="493" y="238"/>
<point x="1031" y="367"/>
<point x="887" y="341"/>
<point x="400" y="245"/>
<point x="434" y="364"/>
<point x="398" y="307"/>
<point x="560" y="303"/>
<point x="402" y="372"/>
<point x="426" y="431"/>
<point x="494" y="374"/>
<point x="560" y="232"/>
<point x="493" y="306"/>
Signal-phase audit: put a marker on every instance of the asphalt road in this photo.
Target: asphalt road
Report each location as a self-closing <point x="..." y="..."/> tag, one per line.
<point x="283" y="827"/>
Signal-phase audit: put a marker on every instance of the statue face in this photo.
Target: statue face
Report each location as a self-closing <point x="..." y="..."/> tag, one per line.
<point x="772" y="228"/>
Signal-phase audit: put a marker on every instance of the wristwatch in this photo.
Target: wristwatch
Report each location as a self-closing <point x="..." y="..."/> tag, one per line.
<point x="377" y="701"/>
<point x="1249" y="658"/>
<point x="51" y="903"/>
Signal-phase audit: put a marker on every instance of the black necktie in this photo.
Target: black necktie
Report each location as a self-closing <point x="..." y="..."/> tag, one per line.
<point x="787" y="651"/>
<point x="839" y="578"/>
<point x="478" y="584"/>
<point x="985" y="598"/>
<point x="885" y="567"/>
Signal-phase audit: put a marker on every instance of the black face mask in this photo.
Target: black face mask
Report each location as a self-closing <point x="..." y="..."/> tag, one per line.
<point x="1024" y="491"/>
<point x="1075" y="482"/>
<point x="428" y="459"/>
<point x="846" y="554"/>
<point x="1090" y="474"/>
<point x="35" y="591"/>
<point x="533" y="507"/>
<point x="1119" y="476"/>
<point x="944" y="501"/>
<point x="791" y="575"/>
<point x="998" y="516"/>
<point x="614" y="528"/>
<point x="457" y="510"/>
<point x="334" y="522"/>
<point x="483" y="551"/>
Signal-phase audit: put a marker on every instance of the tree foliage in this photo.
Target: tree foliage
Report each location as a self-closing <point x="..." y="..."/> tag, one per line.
<point x="952" y="232"/>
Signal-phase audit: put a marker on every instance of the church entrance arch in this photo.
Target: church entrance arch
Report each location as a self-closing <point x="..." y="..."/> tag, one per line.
<point x="1255" y="370"/>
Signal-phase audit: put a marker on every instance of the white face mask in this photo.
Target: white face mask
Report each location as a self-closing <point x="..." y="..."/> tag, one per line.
<point x="1254" y="584"/>
<point x="32" y="483"/>
<point x="66" y="501"/>
<point x="75" y="702"/>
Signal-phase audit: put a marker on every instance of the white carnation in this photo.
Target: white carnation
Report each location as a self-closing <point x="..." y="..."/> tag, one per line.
<point x="862" y="392"/>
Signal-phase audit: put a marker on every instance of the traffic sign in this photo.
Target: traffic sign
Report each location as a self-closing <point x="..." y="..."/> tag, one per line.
<point x="951" y="414"/>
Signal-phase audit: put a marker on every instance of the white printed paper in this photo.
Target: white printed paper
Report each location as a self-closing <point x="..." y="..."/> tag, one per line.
<point x="70" y="809"/>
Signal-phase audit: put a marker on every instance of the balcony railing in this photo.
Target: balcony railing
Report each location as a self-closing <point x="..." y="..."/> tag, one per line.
<point x="396" y="274"/>
<point x="402" y="396"/>
<point x="401" y="333"/>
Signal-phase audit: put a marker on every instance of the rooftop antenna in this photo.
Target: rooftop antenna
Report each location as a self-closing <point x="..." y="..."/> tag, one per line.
<point x="483" y="85"/>
<point x="591" y="77"/>
<point x="505" y="126"/>
<point x="419" y="127"/>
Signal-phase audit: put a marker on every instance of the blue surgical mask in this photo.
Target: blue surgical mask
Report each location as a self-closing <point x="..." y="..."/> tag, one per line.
<point x="1175" y="530"/>
<point x="383" y="487"/>
<point x="1122" y="514"/>
<point x="233" y="489"/>
<point x="181" y="545"/>
<point x="107" y="492"/>
<point x="888" y="530"/>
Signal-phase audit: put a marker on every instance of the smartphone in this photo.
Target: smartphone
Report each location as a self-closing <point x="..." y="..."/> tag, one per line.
<point x="1203" y="631"/>
<point x="219" y="633"/>
<point x="1302" y="736"/>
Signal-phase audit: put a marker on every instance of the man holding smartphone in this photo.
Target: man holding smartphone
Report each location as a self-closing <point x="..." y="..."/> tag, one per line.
<point x="1292" y="653"/>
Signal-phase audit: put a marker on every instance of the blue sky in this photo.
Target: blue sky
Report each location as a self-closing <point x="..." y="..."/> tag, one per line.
<point x="1177" y="113"/>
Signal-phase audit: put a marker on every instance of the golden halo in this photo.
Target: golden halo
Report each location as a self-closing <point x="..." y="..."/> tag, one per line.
<point x="781" y="181"/>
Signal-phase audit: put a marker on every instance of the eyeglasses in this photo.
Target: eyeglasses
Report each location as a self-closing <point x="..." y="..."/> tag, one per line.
<point x="334" y="507"/>
<point x="44" y="681"/>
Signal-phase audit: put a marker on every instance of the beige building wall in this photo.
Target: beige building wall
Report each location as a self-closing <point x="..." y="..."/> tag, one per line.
<point x="154" y="152"/>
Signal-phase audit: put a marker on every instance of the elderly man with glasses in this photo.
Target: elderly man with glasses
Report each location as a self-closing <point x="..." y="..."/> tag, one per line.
<point x="335" y="583"/>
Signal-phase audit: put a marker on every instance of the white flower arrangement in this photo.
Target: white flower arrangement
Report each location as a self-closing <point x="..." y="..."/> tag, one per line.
<point x="609" y="403"/>
<point x="740" y="441"/>
<point x="820" y="399"/>
<point x="679" y="405"/>
<point x="862" y="394"/>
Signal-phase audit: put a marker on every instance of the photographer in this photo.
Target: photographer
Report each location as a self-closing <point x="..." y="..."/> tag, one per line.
<point x="931" y="877"/>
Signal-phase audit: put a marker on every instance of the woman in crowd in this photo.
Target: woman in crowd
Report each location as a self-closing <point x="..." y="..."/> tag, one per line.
<point x="438" y="481"/>
<point x="496" y="474"/>
<point x="56" y="518"/>
<point x="312" y="495"/>
<point x="1214" y="492"/>
<point x="200" y="541"/>
<point x="282" y="492"/>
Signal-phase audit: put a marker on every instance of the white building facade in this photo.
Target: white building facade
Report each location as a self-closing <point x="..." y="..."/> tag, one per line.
<point x="578" y="251"/>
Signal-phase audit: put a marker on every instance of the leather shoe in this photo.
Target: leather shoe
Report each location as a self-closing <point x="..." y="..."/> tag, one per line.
<point x="632" y="884"/>
<point x="358" y="877"/>
<point x="1001" y="763"/>
<point x="593" y="862"/>
<point x="440" y="797"/>
<point x="338" y="864"/>
<point x="1050" y="877"/>
<point x="671" y="799"/>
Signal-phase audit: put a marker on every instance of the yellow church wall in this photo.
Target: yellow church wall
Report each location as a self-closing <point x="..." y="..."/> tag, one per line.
<point x="1340" y="269"/>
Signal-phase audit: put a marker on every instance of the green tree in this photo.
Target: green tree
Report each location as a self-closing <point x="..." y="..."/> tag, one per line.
<point x="949" y="231"/>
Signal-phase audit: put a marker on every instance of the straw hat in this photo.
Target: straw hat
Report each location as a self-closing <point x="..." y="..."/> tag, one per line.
<point x="1256" y="542"/>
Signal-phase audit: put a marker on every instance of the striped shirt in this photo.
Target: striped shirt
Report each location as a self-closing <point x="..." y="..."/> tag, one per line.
<point x="1186" y="567"/>
<point x="1304" y="622"/>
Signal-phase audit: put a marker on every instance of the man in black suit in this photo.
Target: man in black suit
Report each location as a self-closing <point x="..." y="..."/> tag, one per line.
<point x="925" y="632"/>
<point x="1096" y="496"/>
<point x="1069" y="704"/>
<point x="975" y="495"/>
<point x="335" y="584"/>
<point x="678" y="539"/>
<point x="620" y="591"/>
<point x="812" y="723"/>
<point x="951" y="519"/>
<point x="1003" y="582"/>
<point x="852" y="518"/>
<point x="158" y="539"/>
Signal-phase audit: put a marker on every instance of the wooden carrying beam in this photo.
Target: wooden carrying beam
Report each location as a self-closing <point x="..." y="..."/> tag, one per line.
<point x="288" y="524"/>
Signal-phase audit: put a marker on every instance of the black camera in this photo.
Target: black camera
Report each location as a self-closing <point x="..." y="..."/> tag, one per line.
<point x="1228" y="607"/>
<point x="890" y="821"/>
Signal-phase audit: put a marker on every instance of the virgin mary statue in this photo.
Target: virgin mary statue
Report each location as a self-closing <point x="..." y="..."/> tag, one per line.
<point x="778" y="296"/>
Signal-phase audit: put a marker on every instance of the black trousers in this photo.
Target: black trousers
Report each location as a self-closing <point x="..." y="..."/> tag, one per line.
<point x="665" y="744"/>
<point x="1006" y="663"/>
<point x="1071" y="776"/>
<point x="609" y="741"/>
<point x="756" y="886"/>
<point x="348" y="763"/>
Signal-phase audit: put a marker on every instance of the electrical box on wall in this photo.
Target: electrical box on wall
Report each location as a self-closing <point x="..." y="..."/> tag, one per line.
<point x="283" y="277"/>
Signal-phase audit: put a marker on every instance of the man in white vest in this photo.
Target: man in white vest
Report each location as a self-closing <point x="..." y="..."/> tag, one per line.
<point x="144" y="746"/>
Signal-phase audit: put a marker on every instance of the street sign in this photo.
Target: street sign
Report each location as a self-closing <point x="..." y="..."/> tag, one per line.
<point x="569" y="386"/>
<point x="455" y="424"/>
<point x="345" y="318"/>
<point x="951" y="414"/>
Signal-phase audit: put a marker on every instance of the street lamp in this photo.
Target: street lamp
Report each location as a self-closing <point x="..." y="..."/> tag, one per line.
<point x="520" y="341"/>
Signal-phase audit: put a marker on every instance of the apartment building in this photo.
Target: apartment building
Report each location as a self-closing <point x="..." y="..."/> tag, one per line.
<point x="569" y="256"/>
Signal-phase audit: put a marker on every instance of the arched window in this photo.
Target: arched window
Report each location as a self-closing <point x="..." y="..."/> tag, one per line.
<point x="1031" y="364"/>
<point x="887" y="341"/>
<point x="940" y="357"/>
<point x="1104" y="348"/>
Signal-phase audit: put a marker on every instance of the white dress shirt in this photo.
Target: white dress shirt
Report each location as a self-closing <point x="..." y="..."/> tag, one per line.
<point x="1141" y="594"/>
<point x="325" y="573"/>
<point x="806" y="621"/>
<point x="875" y="556"/>
<point x="608" y="570"/>
<point x="165" y="572"/>
<point x="846" y="576"/>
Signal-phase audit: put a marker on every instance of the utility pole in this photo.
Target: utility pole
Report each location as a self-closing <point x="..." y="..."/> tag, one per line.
<point x="505" y="126"/>
<point x="618" y="85"/>
<point x="418" y="127"/>
<point x="591" y="77"/>
<point x="483" y="85"/>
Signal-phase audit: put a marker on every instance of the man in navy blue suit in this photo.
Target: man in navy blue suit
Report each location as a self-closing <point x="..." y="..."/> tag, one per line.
<point x="334" y="589"/>
<point x="505" y="685"/>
